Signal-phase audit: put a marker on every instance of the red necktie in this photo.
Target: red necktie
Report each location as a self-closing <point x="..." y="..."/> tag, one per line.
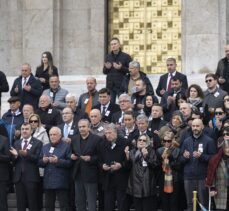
<point x="25" y="144"/>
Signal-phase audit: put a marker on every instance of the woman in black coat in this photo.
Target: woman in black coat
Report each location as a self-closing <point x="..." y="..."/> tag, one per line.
<point x="46" y="69"/>
<point x="142" y="161"/>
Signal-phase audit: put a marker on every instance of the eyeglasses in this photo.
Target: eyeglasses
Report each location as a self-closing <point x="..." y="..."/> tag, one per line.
<point x="144" y="140"/>
<point x="168" y="141"/>
<point x="33" y="121"/>
<point x="124" y="101"/>
<point x="66" y="113"/>
<point x="209" y="80"/>
<point x="225" y="134"/>
<point x="226" y="100"/>
<point x="218" y="113"/>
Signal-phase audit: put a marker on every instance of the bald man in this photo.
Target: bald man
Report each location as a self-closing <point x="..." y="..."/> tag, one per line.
<point x="90" y="98"/>
<point x="222" y="71"/>
<point x="56" y="161"/>
<point x="196" y="151"/>
<point x="96" y="126"/>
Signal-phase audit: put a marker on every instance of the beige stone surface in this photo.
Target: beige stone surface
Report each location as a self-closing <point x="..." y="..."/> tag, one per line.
<point x="73" y="30"/>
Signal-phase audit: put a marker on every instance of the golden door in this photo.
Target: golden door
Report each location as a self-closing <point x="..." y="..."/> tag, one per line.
<point x="149" y="30"/>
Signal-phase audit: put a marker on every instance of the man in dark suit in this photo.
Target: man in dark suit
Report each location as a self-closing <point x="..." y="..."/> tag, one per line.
<point x="168" y="101"/>
<point x="106" y="107"/>
<point x="4" y="171"/>
<point x="85" y="170"/>
<point x="125" y="105"/>
<point x="165" y="80"/>
<point x="27" y="87"/>
<point x="68" y="128"/>
<point x="26" y="176"/>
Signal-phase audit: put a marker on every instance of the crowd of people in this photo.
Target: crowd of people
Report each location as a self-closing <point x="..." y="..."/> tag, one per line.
<point x="125" y="145"/>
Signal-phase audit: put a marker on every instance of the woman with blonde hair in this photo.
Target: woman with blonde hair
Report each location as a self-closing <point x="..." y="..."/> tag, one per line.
<point x="142" y="161"/>
<point x="39" y="131"/>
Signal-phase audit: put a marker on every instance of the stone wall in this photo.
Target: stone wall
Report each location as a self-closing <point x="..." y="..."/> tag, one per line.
<point x="74" y="31"/>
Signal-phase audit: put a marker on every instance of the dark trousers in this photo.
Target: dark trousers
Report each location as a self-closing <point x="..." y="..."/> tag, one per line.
<point x="27" y="195"/>
<point x="145" y="204"/>
<point x="100" y="197"/>
<point x="199" y="186"/>
<point x="85" y="194"/>
<point x="170" y="201"/>
<point x="110" y="197"/>
<point x="114" y="93"/>
<point x="3" y="196"/>
<point x="62" y="196"/>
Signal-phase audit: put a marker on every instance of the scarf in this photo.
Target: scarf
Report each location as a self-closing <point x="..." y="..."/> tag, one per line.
<point x="168" y="177"/>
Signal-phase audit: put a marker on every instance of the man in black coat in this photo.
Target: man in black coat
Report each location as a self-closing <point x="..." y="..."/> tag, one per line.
<point x="111" y="161"/>
<point x="49" y="116"/>
<point x="115" y="67"/>
<point x="165" y="80"/>
<point x="26" y="177"/>
<point x="85" y="168"/>
<point x="128" y="83"/>
<point x="106" y="107"/>
<point x="27" y="87"/>
<point x="4" y="86"/>
<point x="4" y="171"/>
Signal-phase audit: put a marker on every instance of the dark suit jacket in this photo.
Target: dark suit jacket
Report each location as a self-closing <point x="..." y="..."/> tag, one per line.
<point x="112" y="108"/>
<point x="4" y="158"/>
<point x="72" y="132"/>
<point x="163" y="82"/>
<point x="31" y="97"/>
<point x="78" y="115"/>
<point x="87" y="171"/>
<point x="28" y="166"/>
<point x="169" y="109"/>
<point x="116" y="179"/>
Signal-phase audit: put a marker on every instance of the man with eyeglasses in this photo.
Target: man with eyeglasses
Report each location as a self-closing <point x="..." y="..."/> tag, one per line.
<point x="68" y="128"/>
<point x="196" y="151"/>
<point x="125" y="105"/>
<point x="213" y="96"/>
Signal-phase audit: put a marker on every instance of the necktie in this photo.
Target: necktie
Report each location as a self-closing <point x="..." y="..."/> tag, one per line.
<point x="24" y="82"/>
<point x="25" y="144"/>
<point x="66" y="130"/>
<point x="169" y="84"/>
<point x="104" y="111"/>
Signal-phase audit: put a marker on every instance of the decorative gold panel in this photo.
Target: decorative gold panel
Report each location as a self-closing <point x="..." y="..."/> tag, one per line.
<point x="149" y="30"/>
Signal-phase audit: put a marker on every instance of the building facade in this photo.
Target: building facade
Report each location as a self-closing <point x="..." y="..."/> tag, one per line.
<point x="77" y="32"/>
